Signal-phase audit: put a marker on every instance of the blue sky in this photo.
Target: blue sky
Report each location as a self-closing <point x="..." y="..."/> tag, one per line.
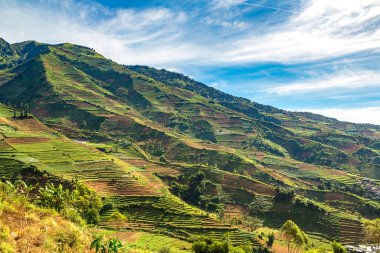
<point x="308" y="55"/>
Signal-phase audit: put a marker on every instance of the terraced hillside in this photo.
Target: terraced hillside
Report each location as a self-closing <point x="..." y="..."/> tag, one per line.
<point x="140" y="136"/>
<point x="130" y="190"/>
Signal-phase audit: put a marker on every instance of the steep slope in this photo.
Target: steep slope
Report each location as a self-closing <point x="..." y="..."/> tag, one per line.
<point x="306" y="137"/>
<point x="132" y="190"/>
<point x="157" y="129"/>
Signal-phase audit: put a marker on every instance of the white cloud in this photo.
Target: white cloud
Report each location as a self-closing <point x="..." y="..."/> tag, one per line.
<point x="356" y="115"/>
<point x="160" y="36"/>
<point x="346" y="80"/>
<point x="222" y="4"/>
<point x="226" y="24"/>
<point x="149" y="36"/>
<point x="322" y="29"/>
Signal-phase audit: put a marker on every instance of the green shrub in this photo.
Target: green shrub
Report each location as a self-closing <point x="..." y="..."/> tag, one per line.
<point x="79" y="197"/>
<point x="205" y="244"/>
<point x="284" y="194"/>
<point x="338" y="248"/>
<point x="260" y="205"/>
<point x="72" y="215"/>
<point x="6" y="248"/>
<point x="165" y="249"/>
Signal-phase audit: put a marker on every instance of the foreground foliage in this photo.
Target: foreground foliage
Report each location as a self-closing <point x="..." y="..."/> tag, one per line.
<point x="112" y="245"/>
<point x="24" y="227"/>
<point x="78" y="202"/>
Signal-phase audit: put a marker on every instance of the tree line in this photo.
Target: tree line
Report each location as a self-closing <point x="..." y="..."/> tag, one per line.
<point x="20" y="110"/>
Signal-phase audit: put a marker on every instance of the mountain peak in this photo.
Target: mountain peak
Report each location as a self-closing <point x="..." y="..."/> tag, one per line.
<point x="4" y="44"/>
<point x="2" y="41"/>
<point x="8" y="54"/>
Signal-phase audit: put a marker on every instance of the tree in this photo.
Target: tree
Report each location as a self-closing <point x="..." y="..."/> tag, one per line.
<point x="53" y="197"/>
<point x="270" y="239"/>
<point x="92" y="216"/>
<point x="21" y="188"/>
<point x="252" y="223"/>
<point x="21" y="110"/>
<point x="195" y="189"/>
<point x="294" y="236"/>
<point x="118" y="219"/>
<point x="14" y="111"/>
<point x="205" y="244"/>
<point x="372" y="230"/>
<point x="284" y="194"/>
<point x="77" y="197"/>
<point x="338" y="248"/>
<point x="26" y="106"/>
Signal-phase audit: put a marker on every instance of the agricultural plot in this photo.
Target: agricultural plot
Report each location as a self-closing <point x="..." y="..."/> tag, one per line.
<point x="132" y="188"/>
<point x="166" y="214"/>
<point x="154" y="242"/>
<point x="305" y="171"/>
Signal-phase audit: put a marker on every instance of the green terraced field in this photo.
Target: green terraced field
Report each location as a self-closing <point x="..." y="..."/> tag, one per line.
<point x="171" y="127"/>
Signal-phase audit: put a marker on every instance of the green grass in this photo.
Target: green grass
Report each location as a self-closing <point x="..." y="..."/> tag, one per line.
<point x="154" y="242"/>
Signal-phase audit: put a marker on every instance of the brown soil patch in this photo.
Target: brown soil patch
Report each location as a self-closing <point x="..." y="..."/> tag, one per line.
<point x="27" y="140"/>
<point x="124" y="188"/>
<point x="305" y="166"/>
<point x="331" y="196"/>
<point x="278" y="248"/>
<point x="32" y="125"/>
<point x="337" y="172"/>
<point x="163" y="171"/>
<point x="235" y="181"/>
<point x="260" y="156"/>
<point x="5" y="121"/>
<point x="153" y="167"/>
<point x="310" y="167"/>
<point x="351" y="147"/>
<point x="99" y="187"/>
<point x="234" y="211"/>
<point x="130" y="237"/>
<point x="137" y="162"/>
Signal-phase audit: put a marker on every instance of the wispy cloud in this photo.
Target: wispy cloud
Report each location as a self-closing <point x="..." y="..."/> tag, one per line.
<point x="321" y="29"/>
<point x="357" y="115"/>
<point x="222" y="4"/>
<point x="345" y="80"/>
<point x="149" y="36"/>
<point x="261" y="6"/>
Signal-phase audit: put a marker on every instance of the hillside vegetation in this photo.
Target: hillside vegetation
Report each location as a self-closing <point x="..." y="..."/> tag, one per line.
<point x="180" y="158"/>
<point x="24" y="227"/>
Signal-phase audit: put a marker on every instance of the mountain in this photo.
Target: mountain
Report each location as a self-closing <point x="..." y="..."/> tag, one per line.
<point x="8" y="54"/>
<point x="179" y="157"/>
